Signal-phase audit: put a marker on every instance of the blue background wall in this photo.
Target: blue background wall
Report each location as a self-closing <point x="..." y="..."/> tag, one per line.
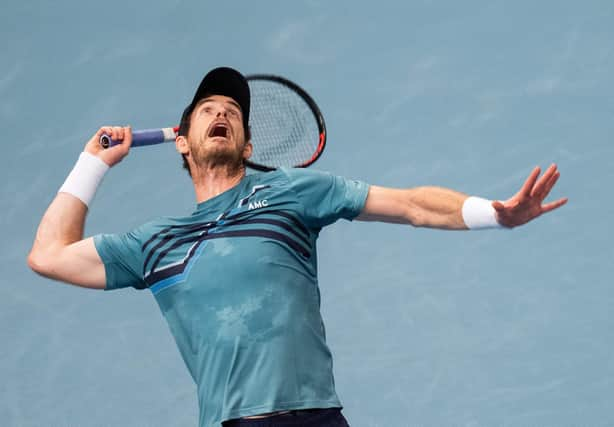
<point x="427" y="327"/>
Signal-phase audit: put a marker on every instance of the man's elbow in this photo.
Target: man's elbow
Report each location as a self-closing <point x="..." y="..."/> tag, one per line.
<point x="40" y="264"/>
<point x="415" y="217"/>
<point x="55" y="264"/>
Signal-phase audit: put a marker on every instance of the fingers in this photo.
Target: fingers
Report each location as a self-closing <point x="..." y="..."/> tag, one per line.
<point x="93" y="145"/>
<point x="128" y="136"/>
<point x="554" y="205"/>
<point x="115" y="154"/>
<point x="541" y="185"/>
<point x="530" y="182"/>
<point x="118" y="133"/>
<point x="550" y="184"/>
<point x="123" y="134"/>
<point x="104" y="130"/>
<point x="115" y="132"/>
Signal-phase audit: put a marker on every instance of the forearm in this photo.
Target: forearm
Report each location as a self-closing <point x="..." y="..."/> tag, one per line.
<point x="435" y="207"/>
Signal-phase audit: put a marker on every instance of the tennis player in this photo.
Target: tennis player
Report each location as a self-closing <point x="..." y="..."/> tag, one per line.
<point x="237" y="279"/>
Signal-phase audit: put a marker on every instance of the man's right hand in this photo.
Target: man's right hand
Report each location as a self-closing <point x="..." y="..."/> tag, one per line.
<point x="112" y="155"/>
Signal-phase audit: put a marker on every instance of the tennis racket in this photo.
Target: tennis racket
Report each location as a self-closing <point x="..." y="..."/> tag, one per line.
<point x="287" y="127"/>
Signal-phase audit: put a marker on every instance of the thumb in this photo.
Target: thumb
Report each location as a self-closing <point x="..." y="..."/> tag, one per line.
<point x="93" y="145"/>
<point x="497" y="205"/>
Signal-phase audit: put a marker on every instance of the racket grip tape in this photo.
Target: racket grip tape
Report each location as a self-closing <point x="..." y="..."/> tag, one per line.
<point x="142" y="137"/>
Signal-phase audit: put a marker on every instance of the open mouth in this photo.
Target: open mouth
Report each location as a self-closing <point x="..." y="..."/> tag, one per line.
<point x="218" y="130"/>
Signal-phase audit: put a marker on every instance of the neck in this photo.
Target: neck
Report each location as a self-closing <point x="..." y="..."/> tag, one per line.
<point x="213" y="181"/>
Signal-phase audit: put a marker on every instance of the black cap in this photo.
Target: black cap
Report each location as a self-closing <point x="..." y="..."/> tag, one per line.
<point x="221" y="81"/>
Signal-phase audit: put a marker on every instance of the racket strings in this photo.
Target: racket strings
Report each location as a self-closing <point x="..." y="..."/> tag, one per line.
<point x="284" y="129"/>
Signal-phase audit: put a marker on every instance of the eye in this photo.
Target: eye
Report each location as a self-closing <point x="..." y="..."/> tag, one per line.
<point x="205" y="109"/>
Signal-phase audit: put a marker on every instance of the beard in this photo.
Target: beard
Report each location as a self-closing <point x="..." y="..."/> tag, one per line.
<point x="218" y="155"/>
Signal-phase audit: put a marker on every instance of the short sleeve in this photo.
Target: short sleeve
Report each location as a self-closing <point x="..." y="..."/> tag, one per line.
<point x="326" y="197"/>
<point x="122" y="258"/>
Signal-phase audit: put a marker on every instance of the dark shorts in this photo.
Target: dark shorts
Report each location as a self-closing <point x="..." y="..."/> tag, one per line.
<point x="304" y="418"/>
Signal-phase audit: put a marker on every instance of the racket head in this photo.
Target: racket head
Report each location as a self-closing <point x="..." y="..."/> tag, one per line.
<point x="287" y="126"/>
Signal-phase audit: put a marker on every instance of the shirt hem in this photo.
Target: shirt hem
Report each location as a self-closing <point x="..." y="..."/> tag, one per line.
<point x="360" y="200"/>
<point x="279" y="406"/>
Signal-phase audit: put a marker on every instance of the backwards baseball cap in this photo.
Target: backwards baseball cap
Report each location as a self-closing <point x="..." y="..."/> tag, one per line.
<point x="220" y="81"/>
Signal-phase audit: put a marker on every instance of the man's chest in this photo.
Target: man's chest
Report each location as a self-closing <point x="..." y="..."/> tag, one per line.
<point x="261" y="225"/>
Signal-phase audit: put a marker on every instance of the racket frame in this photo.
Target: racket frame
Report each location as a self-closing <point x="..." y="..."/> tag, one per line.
<point x="315" y="110"/>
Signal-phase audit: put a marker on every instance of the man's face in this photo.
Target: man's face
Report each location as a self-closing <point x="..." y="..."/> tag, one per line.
<point x="216" y="134"/>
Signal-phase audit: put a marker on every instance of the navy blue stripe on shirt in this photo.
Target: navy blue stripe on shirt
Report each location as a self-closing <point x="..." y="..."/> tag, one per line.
<point x="181" y="232"/>
<point x="234" y="233"/>
<point x="292" y="218"/>
<point x="156" y="276"/>
<point x="161" y="243"/>
<point x="190" y="228"/>
<point x="281" y="224"/>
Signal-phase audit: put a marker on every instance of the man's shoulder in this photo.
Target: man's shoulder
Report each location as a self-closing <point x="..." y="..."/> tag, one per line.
<point x="292" y="178"/>
<point x="292" y="174"/>
<point x="264" y="177"/>
<point x="276" y="178"/>
<point x="157" y="224"/>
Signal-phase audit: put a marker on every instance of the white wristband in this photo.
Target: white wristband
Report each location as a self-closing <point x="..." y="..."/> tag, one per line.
<point x="85" y="177"/>
<point x="478" y="213"/>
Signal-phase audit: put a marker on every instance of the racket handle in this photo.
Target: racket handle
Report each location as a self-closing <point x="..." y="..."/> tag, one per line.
<point x="143" y="137"/>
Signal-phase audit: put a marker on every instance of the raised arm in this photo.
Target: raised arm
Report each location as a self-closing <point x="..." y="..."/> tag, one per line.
<point x="436" y="207"/>
<point x="59" y="250"/>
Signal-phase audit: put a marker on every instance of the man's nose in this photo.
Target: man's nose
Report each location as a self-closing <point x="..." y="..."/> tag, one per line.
<point x="222" y="112"/>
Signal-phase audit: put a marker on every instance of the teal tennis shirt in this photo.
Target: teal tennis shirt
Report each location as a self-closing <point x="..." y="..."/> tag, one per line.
<point x="237" y="283"/>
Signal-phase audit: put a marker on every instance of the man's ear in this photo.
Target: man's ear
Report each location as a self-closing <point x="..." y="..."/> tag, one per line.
<point x="247" y="150"/>
<point x="181" y="144"/>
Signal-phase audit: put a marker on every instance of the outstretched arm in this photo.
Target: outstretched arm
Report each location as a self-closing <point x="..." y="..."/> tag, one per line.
<point x="59" y="250"/>
<point x="436" y="207"/>
<point x="433" y="207"/>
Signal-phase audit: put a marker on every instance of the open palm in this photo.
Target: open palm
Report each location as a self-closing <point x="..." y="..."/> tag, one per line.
<point x="526" y="205"/>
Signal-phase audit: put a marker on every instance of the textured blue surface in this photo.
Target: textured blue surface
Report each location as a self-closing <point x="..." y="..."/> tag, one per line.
<point x="428" y="328"/>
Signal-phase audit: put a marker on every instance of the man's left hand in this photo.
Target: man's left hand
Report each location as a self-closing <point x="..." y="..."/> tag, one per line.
<point x="526" y="205"/>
